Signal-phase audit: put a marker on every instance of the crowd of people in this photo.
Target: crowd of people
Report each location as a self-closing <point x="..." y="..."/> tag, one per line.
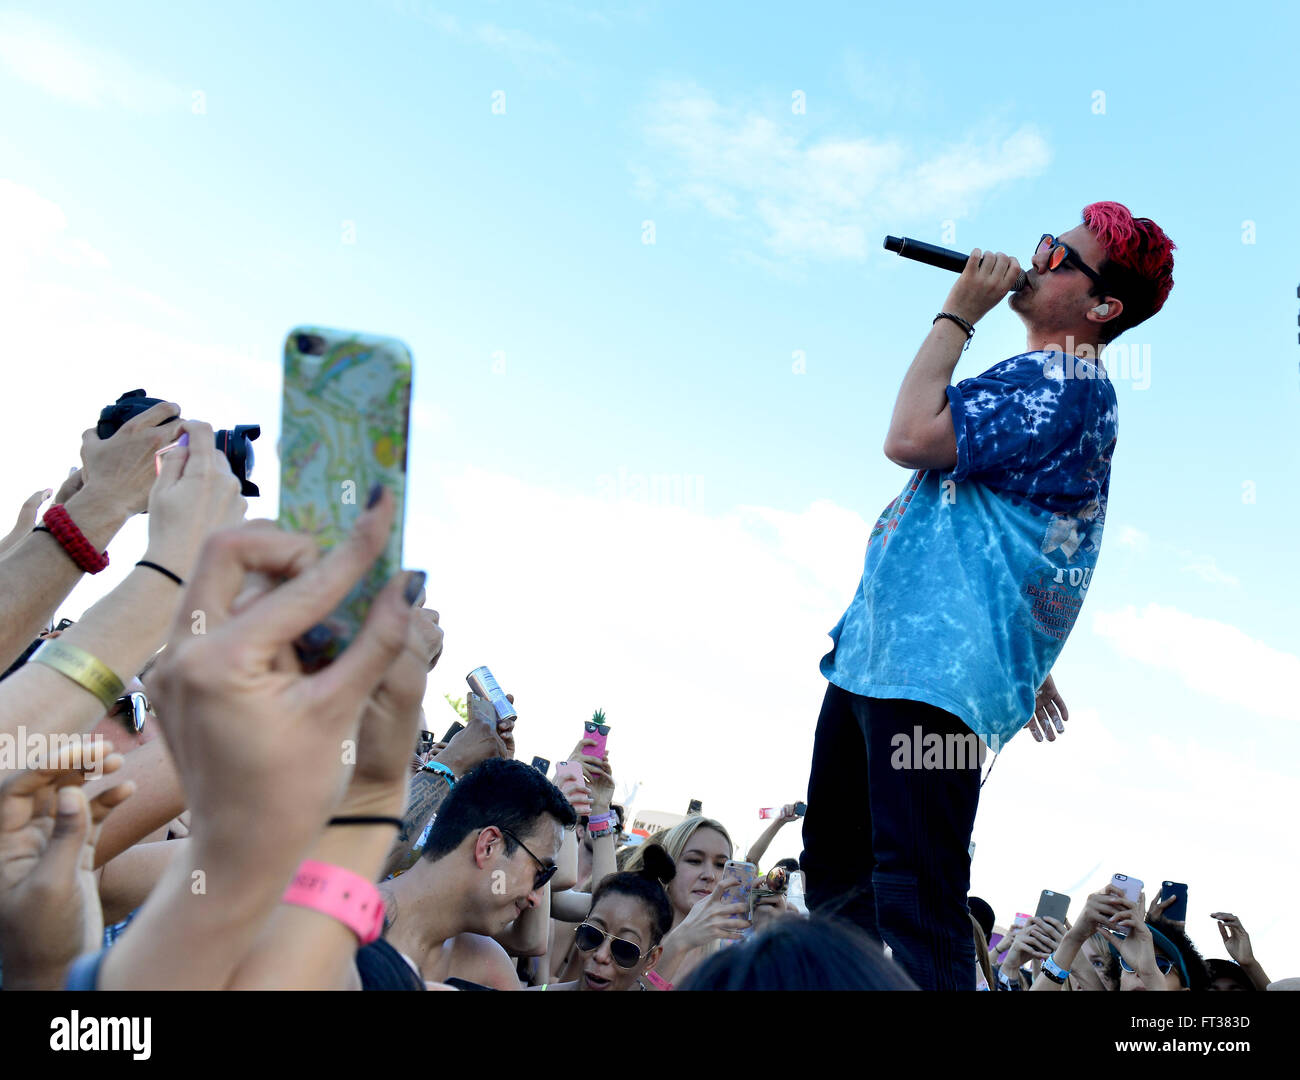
<point x="182" y="805"/>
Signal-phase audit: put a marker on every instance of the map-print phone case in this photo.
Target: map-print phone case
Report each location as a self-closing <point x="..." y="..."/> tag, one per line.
<point x="344" y="422"/>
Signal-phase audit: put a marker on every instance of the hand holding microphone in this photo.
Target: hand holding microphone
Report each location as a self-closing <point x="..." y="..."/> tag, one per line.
<point x="984" y="281"/>
<point x="997" y="274"/>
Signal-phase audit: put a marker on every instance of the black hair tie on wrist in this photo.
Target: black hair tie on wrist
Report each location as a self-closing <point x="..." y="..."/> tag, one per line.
<point x="161" y="569"/>
<point x="357" y="819"/>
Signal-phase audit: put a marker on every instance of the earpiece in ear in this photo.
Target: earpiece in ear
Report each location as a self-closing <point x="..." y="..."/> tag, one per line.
<point x="1102" y="309"/>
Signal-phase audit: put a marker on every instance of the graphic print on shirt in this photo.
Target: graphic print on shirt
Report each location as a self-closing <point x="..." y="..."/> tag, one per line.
<point x="973" y="578"/>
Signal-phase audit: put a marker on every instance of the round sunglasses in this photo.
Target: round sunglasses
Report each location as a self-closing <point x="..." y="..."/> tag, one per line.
<point x="589" y="938"/>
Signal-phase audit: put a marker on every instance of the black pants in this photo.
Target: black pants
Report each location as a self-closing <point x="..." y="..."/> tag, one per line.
<point x="888" y="827"/>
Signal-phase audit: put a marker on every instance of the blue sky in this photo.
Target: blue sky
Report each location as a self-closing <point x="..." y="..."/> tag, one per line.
<point x="683" y="437"/>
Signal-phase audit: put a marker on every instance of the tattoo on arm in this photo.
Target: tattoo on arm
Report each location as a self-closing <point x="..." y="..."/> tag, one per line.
<point x="425" y="795"/>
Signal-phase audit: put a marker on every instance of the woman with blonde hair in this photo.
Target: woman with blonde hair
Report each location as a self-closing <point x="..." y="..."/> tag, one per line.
<point x="700" y="848"/>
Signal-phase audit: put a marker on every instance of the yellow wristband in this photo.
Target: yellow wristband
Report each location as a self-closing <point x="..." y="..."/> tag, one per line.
<point x="82" y="668"/>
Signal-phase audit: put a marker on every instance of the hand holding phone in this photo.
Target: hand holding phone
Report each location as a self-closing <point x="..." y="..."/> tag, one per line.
<point x="1053" y="904"/>
<point x="570" y="780"/>
<point x="1172" y="902"/>
<point x="597" y="731"/>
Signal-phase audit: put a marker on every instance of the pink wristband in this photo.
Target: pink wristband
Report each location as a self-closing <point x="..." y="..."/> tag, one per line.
<point x="657" y="981"/>
<point x="340" y="894"/>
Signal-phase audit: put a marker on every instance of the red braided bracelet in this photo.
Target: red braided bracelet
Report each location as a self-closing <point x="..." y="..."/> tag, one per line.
<point x="79" y="549"/>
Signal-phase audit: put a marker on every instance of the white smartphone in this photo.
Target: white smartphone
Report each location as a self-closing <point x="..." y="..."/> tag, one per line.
<point x="1132" y="890"/>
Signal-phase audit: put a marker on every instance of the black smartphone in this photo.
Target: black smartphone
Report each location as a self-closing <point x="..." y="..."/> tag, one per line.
<point x="453" y="731"/>
<point x="541" y="765"/>
<point x="424" y="743"/>
<point x="695" y="807"/>
<point x="1177" y="911"/>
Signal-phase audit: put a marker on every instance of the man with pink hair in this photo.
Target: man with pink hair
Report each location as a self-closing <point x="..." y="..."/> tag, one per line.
<point x="973" y="579"/>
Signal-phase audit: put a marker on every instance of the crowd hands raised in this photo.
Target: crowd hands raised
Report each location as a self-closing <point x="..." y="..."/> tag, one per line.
<point x="1114" y="944"/>
<point x="177" y="784"/>
<point x="194" y="824"/>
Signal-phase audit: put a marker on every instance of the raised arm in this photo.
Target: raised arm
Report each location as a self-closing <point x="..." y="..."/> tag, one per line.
<point x="195" y="492"/>
<point x="260" y="746"/>
<point x="759" y="848"/>
<point x="36" y="574"/>
<point x="921" y="434"/>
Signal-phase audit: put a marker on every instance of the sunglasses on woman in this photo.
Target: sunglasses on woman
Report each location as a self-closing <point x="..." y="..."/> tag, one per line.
<point x="589" y="938"/>
<point x="1058" y="254"/>
<point x="1163" y="963"/>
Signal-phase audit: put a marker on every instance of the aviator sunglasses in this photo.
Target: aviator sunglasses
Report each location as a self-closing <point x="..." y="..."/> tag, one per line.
<point x="589" y="938"/>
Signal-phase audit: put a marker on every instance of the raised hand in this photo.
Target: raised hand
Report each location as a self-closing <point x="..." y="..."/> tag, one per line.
<point x="1235" y="938"/>
<point x="26" y="519"/>
<point x="985" y="280"/>
<point x="49" y="902"/>
<point x="712" y="919"/>
<point x="391" y="719"/>
<point x="194" y="494"/>
<point x="477" y="741"/>
<point x="121" y="469"/>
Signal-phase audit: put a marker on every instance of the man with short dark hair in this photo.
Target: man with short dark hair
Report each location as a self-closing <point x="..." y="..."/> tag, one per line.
<point x="488" y="858"/>
<point x="973" y="579"/>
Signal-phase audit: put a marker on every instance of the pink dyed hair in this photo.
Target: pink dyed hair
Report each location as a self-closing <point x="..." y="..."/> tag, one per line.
<point x="1139" y="260"/>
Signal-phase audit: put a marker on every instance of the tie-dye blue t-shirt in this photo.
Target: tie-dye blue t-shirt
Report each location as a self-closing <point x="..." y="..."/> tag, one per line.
<point x="974" y="578"/>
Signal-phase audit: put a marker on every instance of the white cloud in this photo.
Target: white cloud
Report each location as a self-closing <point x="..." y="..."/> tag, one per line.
<point x="1210" y="657"/>
<point x="822" y="196"/>
<point x="50" y="59"/>
<point x="1134" y="539"/>
<point x="1205" y="568"/>
<point x="34" y="227"/>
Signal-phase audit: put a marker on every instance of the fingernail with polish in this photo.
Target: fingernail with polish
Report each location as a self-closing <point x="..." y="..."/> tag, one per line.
<point x="413" y="585"/>
<point x="376" y="493"/>
<point x="184" y="440"/>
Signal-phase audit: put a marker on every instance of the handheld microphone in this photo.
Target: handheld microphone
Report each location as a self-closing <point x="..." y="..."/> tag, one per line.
<point x="931" y="254"/>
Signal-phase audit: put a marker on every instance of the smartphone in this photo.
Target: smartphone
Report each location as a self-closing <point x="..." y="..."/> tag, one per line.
<point x="424" y="743"/>
<point x="1177" y="911"/>
<point x="1053" y="905"/>
<point x="800" y="808"/>
<point x="344" y="423"/>
<point x="742" y="877"/>
<point x="573" y="769"/>
<point x="541" y="765"/>
<point x="695" y="807"/>
<point x="1132" y="890"/>
<point x="456" y="728"/>
<point x="1130" y="886"/>
<point x="1019" y="921"/>
<point x="596" y="729"/>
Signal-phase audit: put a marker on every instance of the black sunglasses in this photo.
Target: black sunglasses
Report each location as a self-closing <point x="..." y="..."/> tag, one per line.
<point x="1060" y="254"/>
<point x="132" y="709"/>
<point x="588" y="938"/>
<point x="594" y="728"/>
<point x="545" y="873"/>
